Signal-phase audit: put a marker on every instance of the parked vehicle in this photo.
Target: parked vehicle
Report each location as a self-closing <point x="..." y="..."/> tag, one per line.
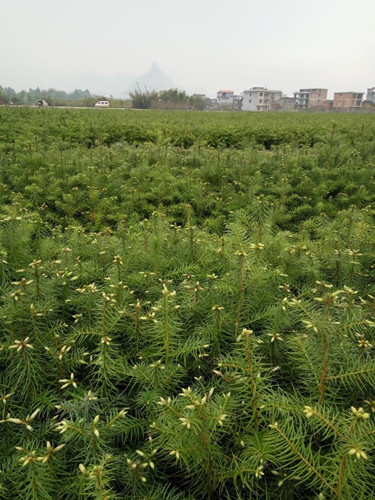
<point x="102" y="104"/>
<point x="42" y="103"/>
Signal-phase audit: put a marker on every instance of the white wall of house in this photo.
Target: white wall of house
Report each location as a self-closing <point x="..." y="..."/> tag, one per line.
<point x="250" y="100"/>
<point x="371" y="95"/>
<point x="225" y="98"/>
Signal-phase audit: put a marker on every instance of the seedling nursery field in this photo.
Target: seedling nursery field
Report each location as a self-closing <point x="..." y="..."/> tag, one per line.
<point x="187" y="305"/>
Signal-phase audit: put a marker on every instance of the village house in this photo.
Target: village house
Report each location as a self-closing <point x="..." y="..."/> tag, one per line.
<point x="260" y="99"/>
<point x="286" y="103"/>
<point x="227" y="99"/>
<point x="347" y="101"/>
<point x="311" y="98"/>
<point x="371" y="95"/>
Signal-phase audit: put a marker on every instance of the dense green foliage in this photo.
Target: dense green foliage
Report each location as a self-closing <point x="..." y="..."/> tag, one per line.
<point x="165" y="99"/>
<point x="188" y="305"/>
<point x="139" y="99"/>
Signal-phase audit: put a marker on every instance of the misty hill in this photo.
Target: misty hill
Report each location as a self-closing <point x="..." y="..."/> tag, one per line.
<point x="121" y="84"/>
<point x="106" y="85"/>
<point x="153" y="79"/>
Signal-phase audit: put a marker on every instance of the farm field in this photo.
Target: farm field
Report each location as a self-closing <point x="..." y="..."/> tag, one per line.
<point x="187" y="305"/>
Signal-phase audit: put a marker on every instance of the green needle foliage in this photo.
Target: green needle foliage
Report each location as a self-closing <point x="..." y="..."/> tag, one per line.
<point x="187" y="306"/>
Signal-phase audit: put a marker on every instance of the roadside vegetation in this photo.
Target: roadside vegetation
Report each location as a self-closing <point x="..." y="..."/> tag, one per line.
<point x="187" y="305"/>
<point x="172" y="99"/>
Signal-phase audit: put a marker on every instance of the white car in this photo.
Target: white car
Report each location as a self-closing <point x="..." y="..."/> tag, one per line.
<point x="102" y="104"/>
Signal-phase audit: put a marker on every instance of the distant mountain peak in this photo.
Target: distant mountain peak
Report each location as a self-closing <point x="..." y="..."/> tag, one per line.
<point x="153" y="79"/>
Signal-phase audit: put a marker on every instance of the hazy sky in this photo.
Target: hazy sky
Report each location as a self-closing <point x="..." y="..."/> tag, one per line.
<point x="203" y="45"/>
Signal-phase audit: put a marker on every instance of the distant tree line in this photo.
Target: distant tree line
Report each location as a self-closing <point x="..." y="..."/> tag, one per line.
<point x="54" y="97"/>
<point x="139" y="99"/>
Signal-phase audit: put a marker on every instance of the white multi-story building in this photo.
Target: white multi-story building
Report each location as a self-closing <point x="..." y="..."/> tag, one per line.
<point x="225" y="97"/>
<point x="371" y="95"/>
<point x="260" y="99"/>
